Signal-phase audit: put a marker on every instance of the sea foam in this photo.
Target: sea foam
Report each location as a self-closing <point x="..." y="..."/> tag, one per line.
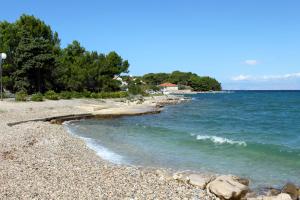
<point x="219" y="140"/>
<point x="101" y="151"/>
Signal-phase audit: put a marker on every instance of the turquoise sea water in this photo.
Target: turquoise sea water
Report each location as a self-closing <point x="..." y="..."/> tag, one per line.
<point x="254" y="134"/>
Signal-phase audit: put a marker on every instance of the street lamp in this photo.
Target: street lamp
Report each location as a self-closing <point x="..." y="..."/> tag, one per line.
<point x="2" y="57"/>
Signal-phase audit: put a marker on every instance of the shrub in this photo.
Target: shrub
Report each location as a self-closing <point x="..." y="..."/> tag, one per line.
<point x="86" y="94"/>
<point x="107" y="95"/>
<point x="65" y="95"/>
<point x="8" y="95"/>
<point x="21" y="96"/>
<point x="37" y="97"/>
<point x="123" y="94"/>
<point x="135" y="89"/>
<point x="51" y="95"/>
<point x="94" y="95"/>
<point x="76" y="95"/>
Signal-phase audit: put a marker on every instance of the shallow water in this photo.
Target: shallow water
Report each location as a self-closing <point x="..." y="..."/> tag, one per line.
<point x="254" y="134"/>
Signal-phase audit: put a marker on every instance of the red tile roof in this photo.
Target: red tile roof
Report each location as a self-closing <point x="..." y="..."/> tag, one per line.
<point x="168" y="85"/>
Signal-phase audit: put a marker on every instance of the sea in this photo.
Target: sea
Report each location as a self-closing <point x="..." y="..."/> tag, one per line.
<point x="252" y="134"/>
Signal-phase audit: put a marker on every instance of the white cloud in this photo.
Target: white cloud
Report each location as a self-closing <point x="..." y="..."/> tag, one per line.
<point x="265" y="77"/>
<point x="251" y="62"/>
<point x="241" y="78"/>
<point x="285" y="76"/>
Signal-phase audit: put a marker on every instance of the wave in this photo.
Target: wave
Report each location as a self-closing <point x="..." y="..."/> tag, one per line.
<point x="219" y="140"/>
<point x="101" y="151"/>
<point x="217" y="92"/>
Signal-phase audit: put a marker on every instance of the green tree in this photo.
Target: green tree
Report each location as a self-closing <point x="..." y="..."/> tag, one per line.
<point x="14" y="37"/>
<point x="34" y="61"/>
<point x="155" y="78"/>
<point x="181" y="78"/>
<point x="184" y="80"/>
<point x="80" y="70"/>
<point x="204" y="84"/>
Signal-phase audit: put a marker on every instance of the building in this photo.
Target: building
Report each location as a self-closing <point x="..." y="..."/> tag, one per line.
<point x="168" y="88"/>
<point x="123" y="83"/>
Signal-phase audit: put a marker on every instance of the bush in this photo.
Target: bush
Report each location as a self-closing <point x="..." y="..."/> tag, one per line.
<point x="107" y="95"/>
<point x="21" y="96"/>
<point x="7" y="94"/>
<point x="123" y="94"/>
<point x="94" y="95"/>
<point x="37" y="97"/>
<point x="76" y="95"/>
<point x="51" y="95"/>
<point x="135" y="89"/>
<point x="86" y="94"/>
<point x="65" y="95"/>
<point x="184" y="87"/>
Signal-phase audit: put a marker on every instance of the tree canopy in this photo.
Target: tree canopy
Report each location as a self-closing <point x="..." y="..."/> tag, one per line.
<point x="37" y="63"/>
<point x="197" y="83"/>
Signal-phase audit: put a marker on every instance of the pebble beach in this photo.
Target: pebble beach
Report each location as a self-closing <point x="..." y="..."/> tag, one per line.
<point x="40" y="160"/>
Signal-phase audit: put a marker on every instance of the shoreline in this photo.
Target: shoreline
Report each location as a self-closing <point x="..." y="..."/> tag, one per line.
<point x="38" y="153"/>
<point x="40" y="160"/>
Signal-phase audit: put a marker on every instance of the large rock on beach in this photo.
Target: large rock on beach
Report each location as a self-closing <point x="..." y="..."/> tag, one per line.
<point x="200" y="180"/>
<point x="228" y="187"/>
<point x="292" y="190"/>
<point x="281" y="196"/>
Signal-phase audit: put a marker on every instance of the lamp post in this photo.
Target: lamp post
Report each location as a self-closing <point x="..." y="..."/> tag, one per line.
<point x="2" y="57"/>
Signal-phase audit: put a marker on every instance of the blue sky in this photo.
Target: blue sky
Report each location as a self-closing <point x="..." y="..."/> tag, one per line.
<point x="246" y="44"/>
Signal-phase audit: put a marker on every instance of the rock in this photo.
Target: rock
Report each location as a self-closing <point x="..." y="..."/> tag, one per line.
<point x="250" y="195"/>
<point x="163" y="175"/>
<point x="281" y="196"/>
<point x="273" y="192"/>
<point x="255" y="198"/>
<point x="291" y="189"/>
<point x="227" y="187"/>
<point x="200" y="180"/>
<point x="181" y="176"/>
<point x="243" y="181"/>
<point x="53" y="121"/>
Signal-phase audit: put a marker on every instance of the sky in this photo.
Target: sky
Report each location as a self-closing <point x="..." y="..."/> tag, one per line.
<point x="245" y="44"/>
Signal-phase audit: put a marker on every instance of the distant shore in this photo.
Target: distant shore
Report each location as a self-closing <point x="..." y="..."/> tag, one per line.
<point x="41" y="160"/>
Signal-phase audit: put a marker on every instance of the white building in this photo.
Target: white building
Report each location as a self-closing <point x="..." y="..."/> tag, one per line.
<point x="168" y="88"/>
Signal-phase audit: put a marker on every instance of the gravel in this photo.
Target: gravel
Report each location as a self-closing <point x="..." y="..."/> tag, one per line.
<point x="39" y="160"/>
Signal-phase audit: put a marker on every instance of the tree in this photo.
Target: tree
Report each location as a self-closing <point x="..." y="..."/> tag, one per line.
<point x="183" y="79"/>
<point x="81" y="70"/>
<point x="204" y="84"/>
<point x="155" y="79"/>
<point x="14" y="38"/>
<point x="180" y="78"/>
<point x="34" y="63"/>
